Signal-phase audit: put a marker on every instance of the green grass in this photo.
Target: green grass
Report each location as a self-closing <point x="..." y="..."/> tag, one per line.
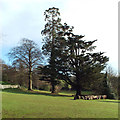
<point x="18" y="103"/>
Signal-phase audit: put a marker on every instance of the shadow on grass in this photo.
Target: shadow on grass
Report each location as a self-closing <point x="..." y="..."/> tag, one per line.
<point x="60" y="119"/>
<point x="111" y="101"/>
<point x="22" y="91"/>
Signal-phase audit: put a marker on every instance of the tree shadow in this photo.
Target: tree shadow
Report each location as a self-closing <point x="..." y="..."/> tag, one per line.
<point x="32" y="92"/>
<point x="111" y="101"/>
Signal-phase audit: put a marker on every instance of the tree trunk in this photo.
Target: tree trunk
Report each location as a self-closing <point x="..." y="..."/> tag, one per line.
<point x="30" y="72"/>
<point x="53" y="88"/>
<point x="30" y="80"/>
<point x="78" y="93"/>
<point x="78" y="87"/>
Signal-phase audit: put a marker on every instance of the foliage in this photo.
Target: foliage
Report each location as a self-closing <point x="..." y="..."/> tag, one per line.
<point x="5" y="83"/>
<point x="113" y="82"/>
<point x="50" y="31"/>
<point x="118" y="90"/>
<point x="44" y="86"/>
<point x="9" y="74"/>
<point x="77" y="64"/>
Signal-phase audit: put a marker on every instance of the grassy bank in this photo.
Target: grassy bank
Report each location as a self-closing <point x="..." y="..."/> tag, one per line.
<point x="24" y="104"/>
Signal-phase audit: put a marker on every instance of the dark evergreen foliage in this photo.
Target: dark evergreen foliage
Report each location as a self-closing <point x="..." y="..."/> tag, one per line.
<point x="77" y="60"/>
<point x="50" y="31"/>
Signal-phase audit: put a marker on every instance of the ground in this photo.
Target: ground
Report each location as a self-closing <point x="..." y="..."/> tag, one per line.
<point x="22" y="104"/>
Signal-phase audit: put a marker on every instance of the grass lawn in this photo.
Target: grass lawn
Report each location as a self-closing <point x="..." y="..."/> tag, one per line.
<point x="21" y="104"/>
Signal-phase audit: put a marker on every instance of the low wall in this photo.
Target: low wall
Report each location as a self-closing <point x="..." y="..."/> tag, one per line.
<point x="9" y="86"/>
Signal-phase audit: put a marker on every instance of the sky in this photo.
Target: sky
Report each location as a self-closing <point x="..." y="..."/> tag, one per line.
<point x="96" y="19"/>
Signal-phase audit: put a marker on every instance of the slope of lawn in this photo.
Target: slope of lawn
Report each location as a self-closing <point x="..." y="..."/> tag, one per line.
<point x="17" y="103"/>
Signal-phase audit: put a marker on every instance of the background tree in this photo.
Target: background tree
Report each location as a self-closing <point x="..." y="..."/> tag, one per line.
<point x="118" y="90"/>
<point x="77" y="59"/>
<point x="105" y="89"/>
<point x="9" y="74"/>
<point x="28" y="54"/>
<point x="22" y="74"/>
<point x="107" y="84"/>
<point x="50" y="31"/>
<point x="112" y="79"/>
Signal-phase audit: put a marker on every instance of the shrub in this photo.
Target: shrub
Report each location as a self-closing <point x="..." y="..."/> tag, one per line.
<point x="45" y="87"/>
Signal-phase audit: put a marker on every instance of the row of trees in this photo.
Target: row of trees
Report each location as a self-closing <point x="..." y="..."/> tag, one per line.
<point x="15" y="74"/>
<point x="70" y="57"/>
<point x="19" y="75"/>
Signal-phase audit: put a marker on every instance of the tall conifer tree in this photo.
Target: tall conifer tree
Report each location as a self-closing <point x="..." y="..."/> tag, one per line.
<point x="52" y="27"/>
<point x="78" y="61"/>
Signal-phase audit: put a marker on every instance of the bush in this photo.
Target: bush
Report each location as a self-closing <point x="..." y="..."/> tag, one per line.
<point x="45" y="87"/>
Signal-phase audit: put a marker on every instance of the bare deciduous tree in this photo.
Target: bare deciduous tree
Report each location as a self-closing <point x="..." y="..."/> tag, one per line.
<point x="27" y="53"/>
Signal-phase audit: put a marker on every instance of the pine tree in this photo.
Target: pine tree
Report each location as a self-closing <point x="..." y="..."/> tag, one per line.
<point x="50" y="32"/>
<point x="78" y="61"/>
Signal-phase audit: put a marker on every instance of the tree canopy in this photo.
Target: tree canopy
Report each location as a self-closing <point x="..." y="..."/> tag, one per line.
<point x="52" y="27"/>
<point x="70" y="58"/>
<point x="78" y="59"/>
<point x="28" y="54"/>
